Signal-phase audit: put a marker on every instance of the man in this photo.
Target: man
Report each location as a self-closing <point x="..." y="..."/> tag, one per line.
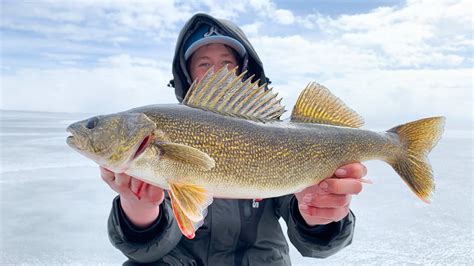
<point x="235" y="232"/>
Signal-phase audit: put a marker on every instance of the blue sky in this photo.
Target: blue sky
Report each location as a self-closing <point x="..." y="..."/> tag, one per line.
<point x="389" y="60"/>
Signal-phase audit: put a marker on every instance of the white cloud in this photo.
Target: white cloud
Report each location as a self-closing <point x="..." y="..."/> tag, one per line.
<point x="284" y="16"/>
<point x="311" y="21"/>
<point x="95" y="20"/>
<point x="404" y="62"/>
<point x="386" y="98"/>
<point x="119" y="83"/>
<point x="252" y="29"/>
<point x="268" y="10"/>
<point x="125" y="60"/>
<point x="231" y="9"/>
<point x="265" y="6"/>
<point x="389" y="61"/>
<point x="227" y="9"/>
<point x="148" y="14"/>
<point x="396" y="96"/>
<point x="297" y="55"/>
<point x="419" y="33"/>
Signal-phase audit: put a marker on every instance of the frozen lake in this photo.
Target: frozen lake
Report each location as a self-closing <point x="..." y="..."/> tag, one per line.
<point x="54" y="206"/>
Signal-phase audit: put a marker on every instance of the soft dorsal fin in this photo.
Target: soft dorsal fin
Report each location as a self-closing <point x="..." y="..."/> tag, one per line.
<point x="225" y="93"/>
<point x="316" y="104"/>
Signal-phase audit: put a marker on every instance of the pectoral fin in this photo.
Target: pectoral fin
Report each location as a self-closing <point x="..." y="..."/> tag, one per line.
<point x="190" y="204"/>
<point x="186" y="154"/>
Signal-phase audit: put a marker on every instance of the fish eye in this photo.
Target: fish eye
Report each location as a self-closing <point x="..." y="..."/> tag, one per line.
<point x="92" y="122"/>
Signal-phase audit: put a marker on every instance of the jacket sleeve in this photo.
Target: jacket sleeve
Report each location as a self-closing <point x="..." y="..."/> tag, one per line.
<point x="319" y="241"/>
<point x="143" y="245"/>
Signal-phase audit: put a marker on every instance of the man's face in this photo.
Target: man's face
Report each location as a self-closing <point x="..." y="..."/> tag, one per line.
<point x="212" y="55"/>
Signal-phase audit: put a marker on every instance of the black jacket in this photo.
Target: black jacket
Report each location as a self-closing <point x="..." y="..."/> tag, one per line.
<point x="235" y="232"/>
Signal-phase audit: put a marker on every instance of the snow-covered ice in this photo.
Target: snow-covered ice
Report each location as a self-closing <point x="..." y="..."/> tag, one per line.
<point x="54" y="206"/>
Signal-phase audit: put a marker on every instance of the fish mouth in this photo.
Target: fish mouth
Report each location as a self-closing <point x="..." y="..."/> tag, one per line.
<point x="143" y="145"/>
<point x="76" y="140"/>
<point x="70" y="139"/>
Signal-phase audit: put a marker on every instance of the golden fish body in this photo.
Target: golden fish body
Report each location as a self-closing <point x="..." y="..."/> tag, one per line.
<point x="227" y="141"/>
<point x="254" y="160"/>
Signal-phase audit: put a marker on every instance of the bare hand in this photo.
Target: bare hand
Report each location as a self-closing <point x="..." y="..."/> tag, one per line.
<point x="139" y="200"/>
<point x="329" y="200"/>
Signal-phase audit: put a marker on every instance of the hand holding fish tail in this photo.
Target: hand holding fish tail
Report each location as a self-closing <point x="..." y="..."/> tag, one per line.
<point x="329" y="200"/>
<point x="139" y="200"/>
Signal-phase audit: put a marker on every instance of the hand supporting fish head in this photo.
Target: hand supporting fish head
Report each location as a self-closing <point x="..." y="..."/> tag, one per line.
<point x="112" y="141"/>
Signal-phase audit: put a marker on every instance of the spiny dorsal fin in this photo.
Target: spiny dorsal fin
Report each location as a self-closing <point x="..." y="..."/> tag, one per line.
<point x="225" y="93"/>
<point x="317" y="104"/>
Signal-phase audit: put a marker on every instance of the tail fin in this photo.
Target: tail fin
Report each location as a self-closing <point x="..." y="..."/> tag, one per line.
<point x="418" y="138"/>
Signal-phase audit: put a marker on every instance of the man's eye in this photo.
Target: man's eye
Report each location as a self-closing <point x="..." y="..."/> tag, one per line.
<point x="205" y="65"/>
<point x="230" y="63"/>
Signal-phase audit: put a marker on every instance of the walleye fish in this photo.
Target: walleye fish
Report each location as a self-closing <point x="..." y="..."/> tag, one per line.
<point x="226" y="141"/>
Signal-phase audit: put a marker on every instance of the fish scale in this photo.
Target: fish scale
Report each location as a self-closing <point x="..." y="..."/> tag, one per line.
<point x="266" y="156"/>
<point x="235" y="146"/>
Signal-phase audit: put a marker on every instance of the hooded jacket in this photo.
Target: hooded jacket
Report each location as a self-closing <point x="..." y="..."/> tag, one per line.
<point x="235" y="232"/>
<point x="181" y="78"/>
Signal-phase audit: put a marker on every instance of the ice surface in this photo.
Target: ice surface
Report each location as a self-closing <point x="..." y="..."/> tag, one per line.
<point x="54" y="206"/>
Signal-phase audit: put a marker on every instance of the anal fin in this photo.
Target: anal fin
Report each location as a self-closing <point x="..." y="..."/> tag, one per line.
<point x="189" y="204"/>
<point x="187" y="227"/>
